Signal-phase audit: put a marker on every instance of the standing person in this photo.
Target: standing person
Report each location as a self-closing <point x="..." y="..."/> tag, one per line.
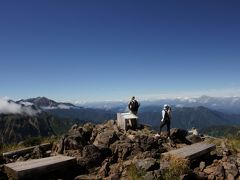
<point x="166" y="120"/>
<point x="133" y="105"/>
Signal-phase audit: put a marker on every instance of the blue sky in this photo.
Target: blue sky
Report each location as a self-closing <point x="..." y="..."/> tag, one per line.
<point x="110" y="50"/>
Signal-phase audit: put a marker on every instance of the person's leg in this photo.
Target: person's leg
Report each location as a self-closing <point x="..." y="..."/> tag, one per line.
<point x="162" y="124"/>
<point x="168" y="128"/>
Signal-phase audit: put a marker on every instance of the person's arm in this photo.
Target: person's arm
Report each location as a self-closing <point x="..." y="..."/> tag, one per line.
<point x="170" y="113"/>
<point x="129" y="105"/>
<point x="163" y="115"/>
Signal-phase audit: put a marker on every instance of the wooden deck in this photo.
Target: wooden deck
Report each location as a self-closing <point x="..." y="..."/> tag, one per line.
<point x="33" y="168"/>
<point x="192" y="151"/>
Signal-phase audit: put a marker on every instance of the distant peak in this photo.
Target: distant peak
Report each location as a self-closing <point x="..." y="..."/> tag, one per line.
<point x="204" y="96"/>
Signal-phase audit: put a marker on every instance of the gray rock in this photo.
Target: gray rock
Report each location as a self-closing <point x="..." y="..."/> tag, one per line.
<point x="148" y="164"/>
<point x="105" y="139"/>
<point x="76" y="138"/>
<point x="37" y="153"/>
<point x="20" y="159"/>
<point x="60" y="146"/>
<point x="193" y="138"/>
<point x="148" y="143"/>
<point x="122" y="151"/>
<point x="104" y="170"/>
<point x="27" y="156"/>
<point x="211" y="177"/>
<point x="202" y="165"/>
<point x="209" y="170"/>
<point x="219" y="171"/>
<point x="230" y="169"/>
<point x="238" y="161"/>
<point x="91" y="157"/>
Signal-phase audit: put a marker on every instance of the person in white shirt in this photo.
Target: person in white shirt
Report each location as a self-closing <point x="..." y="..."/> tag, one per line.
<point x="166" y="120"/>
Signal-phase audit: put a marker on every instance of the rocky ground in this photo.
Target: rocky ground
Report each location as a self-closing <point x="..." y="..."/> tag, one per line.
<point x="106" y="152"/>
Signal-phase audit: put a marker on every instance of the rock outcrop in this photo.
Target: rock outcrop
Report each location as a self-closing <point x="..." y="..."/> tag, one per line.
<point x="106" y="152"/>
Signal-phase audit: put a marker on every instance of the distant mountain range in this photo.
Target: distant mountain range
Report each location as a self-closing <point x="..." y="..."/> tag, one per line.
<point x="28" y="118"/>
<point x="188" y="117"/>
<point x="183" y="117"/>
<point x="43" y="117"/>
<point x="229" y="105"/>
<point x="68" y="110"/>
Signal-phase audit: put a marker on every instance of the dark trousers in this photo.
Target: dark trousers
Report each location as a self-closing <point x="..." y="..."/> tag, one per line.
<point x="134" y="112"/>
<point x="162" y="124"/>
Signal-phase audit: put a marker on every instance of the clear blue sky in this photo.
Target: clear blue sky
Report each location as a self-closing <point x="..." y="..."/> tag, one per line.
<point x="110" y="50"/>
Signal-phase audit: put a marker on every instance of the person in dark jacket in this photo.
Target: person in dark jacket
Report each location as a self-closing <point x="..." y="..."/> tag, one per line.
<point x="166" y="120"/>
<point x="133" y="105"/>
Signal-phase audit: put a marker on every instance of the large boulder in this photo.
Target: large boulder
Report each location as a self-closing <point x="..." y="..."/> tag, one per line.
<point x="76" y="138"/>
<point x="105" y="139"/>
<point x="148" y="143"/>
<point x="91" y="157"/>
<point x="178" y="135"/>
<point x="122" y="151"/>
<point x="193" y="138"/>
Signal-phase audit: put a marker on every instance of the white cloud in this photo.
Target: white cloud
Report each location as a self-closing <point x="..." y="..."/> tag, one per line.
<point x="63" y="106"/>
<point x="227" y="92"/>
<point x="10" y="107"/>
<point x="60" y="106"/>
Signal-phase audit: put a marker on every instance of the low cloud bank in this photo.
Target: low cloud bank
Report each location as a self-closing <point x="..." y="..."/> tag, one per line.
<point x="10" y="107"/>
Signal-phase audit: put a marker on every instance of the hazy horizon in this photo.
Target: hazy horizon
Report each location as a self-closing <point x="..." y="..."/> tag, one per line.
<point x="150" y="98"/>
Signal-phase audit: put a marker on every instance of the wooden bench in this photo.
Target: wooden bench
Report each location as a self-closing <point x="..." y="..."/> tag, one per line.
<point x="31" y="169"/>
<point x="24" y="151"/>
<point x="192" y="151"/>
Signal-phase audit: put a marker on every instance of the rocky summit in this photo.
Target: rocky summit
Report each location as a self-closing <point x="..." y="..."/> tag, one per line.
<point x="106" y="152"/>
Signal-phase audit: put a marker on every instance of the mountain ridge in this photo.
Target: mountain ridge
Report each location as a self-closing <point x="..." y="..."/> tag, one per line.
<point x="45" y="103"/>
<point x="183" y="117"/>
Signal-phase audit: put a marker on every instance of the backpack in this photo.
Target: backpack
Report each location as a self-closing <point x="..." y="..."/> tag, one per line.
<point x="167" y="116"/>
<point x="134" y="105"/>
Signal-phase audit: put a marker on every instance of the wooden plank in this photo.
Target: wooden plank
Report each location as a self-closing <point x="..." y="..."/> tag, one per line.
<point x="192" y="151"/>
<point x="36" y="167"/>
<point x="21" y="152"/>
